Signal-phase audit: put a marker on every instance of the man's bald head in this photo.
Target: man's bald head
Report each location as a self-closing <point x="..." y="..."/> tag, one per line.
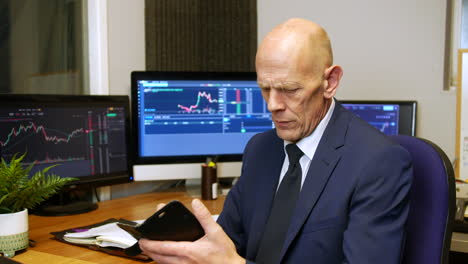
<point x="301" y="43"/>
<point x="298" y="79"/>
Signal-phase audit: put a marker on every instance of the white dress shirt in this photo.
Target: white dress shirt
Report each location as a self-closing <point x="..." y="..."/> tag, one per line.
<point x="307" y="145"/>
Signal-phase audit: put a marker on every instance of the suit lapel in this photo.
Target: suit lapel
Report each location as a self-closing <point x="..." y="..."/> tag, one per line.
<point x="267" y="188"/>
<point x="325" y="160"/>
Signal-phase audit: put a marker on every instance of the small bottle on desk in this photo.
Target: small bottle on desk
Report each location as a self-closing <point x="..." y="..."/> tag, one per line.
<point x="209" y="181"/>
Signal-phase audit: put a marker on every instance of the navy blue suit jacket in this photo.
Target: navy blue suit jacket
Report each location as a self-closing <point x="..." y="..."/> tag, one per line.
<point x="352" y="207"/>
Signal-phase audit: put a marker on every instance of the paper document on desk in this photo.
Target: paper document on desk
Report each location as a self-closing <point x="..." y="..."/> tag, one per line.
<point x="108" y="235"/>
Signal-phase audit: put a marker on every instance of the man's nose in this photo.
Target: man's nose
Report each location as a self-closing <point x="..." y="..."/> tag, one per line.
<point x="275" y="101"/>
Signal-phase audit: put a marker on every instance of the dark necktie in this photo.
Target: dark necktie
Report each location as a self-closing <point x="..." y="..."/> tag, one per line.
<point x="281" y="212"/>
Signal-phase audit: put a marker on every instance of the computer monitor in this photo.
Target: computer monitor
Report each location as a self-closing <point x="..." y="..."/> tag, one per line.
<point x="390" y="117"/>
<point x="184" y="118"/>
<point x="88" y="137"/>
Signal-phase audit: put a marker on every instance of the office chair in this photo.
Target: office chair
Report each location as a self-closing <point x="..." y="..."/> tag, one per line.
<point x="432" y="205"/>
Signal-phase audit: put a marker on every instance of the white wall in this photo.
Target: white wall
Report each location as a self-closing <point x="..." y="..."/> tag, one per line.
<point x="388" y="49"/>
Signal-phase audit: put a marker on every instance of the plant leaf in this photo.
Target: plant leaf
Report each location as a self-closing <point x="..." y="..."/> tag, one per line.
<point x="19" y="191"/>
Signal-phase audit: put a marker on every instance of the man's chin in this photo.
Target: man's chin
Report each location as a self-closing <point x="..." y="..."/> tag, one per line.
<point x="286" y="135"/>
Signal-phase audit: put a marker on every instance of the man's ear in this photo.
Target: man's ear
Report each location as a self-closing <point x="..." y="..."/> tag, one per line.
<point x="333" y="76"/>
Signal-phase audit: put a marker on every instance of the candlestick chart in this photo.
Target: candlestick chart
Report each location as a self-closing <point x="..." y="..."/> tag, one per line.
<point x="59" y="136"/>
<point x="61" y="142"/>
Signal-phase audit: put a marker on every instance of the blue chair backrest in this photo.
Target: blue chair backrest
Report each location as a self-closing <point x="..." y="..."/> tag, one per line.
<point x="432" y="206"/>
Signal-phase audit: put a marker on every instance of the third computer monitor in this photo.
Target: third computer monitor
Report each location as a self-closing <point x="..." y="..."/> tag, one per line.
<point x="390" y="117"/>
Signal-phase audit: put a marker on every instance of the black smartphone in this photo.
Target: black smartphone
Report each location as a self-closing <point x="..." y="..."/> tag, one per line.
<point x="173" y="222"/>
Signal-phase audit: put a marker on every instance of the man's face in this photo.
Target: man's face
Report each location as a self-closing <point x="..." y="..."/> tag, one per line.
<point x="294" y="94"/>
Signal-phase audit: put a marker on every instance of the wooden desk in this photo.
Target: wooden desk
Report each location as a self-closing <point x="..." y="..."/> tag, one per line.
<point x="132" y="208"/>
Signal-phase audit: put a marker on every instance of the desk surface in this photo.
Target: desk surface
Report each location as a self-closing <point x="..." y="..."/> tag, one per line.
<point x="133" y="208"/>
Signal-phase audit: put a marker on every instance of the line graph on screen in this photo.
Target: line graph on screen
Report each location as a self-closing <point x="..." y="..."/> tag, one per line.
<point x="183" y="101"/>
<point x="32" y="128"/>
<point x="65" y="139"/>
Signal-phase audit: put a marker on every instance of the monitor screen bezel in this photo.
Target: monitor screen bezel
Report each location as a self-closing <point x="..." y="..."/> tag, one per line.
<point x="407" y="105"/>
<point x="179" y="75"/>
<point x="80" y="101"/>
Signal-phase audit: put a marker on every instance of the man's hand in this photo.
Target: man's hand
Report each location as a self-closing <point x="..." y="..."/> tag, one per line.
<point x="214" y="247"/>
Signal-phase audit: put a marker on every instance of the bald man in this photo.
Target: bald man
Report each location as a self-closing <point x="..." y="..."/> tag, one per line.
<point x="342" y="194"/>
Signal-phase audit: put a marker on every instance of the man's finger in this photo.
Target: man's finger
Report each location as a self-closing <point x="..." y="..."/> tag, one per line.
<point x="203" y="216"/>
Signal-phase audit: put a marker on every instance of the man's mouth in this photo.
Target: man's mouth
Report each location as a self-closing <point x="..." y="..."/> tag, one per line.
<point x="282" y="123"/>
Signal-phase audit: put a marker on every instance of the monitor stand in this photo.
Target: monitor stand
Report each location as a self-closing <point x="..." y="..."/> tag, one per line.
<point x="69" y="201"/>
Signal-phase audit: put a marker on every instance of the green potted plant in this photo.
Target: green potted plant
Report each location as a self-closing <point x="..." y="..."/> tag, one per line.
<point x="19" y="192"/>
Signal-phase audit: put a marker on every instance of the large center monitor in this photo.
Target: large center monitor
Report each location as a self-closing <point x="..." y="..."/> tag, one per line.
<point x="187" y="117"/>
<point x="88" y="137"/>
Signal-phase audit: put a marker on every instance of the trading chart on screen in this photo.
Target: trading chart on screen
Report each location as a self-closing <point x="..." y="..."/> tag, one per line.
<point x="204" y="108"/>
<point x="84" y="141"/>
<point x="203" y="117"/>
<point x="384" y="117"/>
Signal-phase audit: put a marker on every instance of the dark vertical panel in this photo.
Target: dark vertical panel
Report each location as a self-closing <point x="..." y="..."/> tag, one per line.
<point x="4" y="46"/>
<point x="208" y="35"/>
<point x="448" y="44"/>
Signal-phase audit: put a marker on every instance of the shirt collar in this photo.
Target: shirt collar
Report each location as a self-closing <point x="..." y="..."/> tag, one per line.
<point x="309" y="144"/>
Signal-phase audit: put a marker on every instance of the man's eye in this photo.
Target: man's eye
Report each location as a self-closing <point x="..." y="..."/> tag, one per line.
<point x="291" y="91"/>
